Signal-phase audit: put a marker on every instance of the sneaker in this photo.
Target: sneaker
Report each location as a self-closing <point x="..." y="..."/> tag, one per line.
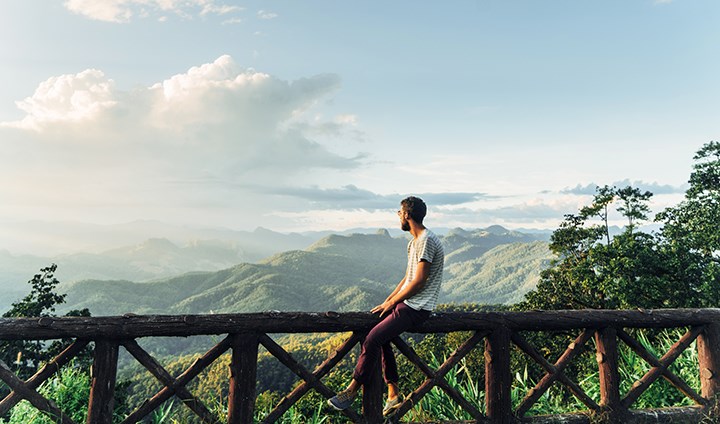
<point x="342" y="400"/>
<point x="392" y="405"/>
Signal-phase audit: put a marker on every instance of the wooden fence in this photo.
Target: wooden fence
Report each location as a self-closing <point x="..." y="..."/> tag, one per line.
<point x="495" y="332"/>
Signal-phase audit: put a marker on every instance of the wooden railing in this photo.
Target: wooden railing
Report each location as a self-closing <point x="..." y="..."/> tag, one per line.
<point x="498" y="330"/>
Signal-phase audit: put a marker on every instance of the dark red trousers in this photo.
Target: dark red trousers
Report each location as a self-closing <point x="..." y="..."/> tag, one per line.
<point x="377" y="343"/>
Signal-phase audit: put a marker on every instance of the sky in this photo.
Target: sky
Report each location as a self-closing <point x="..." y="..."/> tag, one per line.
<point x="323" y="115"/>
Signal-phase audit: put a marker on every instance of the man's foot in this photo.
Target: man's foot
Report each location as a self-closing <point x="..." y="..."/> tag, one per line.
<point x="342" y="400"/>
<point x="392" y="405"/>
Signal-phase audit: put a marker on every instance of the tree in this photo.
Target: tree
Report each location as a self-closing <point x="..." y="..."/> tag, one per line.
<point x="678" y="266"/>
<point x="692" y="228"/>
<point x="27" y="355"/>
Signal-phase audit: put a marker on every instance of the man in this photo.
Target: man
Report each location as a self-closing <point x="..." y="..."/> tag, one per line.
<point x="408" y="305"/>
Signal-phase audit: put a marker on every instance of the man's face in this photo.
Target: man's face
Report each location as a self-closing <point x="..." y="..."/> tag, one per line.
<point x="404" y="224"/>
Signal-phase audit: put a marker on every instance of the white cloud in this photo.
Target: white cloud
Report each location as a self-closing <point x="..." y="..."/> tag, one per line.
<point x="190" y="143"/>
<point x="121" y="11"/>
<point x="264" y="14"/>
<point x="67" y="98"/>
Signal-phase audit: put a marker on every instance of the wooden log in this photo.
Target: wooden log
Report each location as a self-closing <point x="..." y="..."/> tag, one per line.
<point x="134" y="326"/>
<point x="656" y="371"/>
<point x="708" y="347"/>
<point x="44" y="373"/>
<point x="438" y="378"/>
<point x="181" y="392"/>
<point x="243" y="378"/>
<point x="310" y="379"/>
<point x="498" y="379"/>
<point x="47" y="406"/>
<point x="102" y="384"/>
<point x="607" y="359"/>
<point x="319" y="372"/>
<point x="167" y="392"/>
<point x="554" y="372"/>
<point x="372" y="396"/>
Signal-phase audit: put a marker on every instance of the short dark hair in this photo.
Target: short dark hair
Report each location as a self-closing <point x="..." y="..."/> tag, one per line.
<point x="415" y="207"/>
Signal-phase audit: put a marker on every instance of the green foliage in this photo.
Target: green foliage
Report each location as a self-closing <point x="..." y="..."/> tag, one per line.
<point x="677" y="267"/>
<point x="41" y="301"/>
<point x="69" y="388"/>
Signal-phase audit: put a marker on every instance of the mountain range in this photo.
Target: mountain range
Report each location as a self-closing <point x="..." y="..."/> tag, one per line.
<point x="337" y="272"/>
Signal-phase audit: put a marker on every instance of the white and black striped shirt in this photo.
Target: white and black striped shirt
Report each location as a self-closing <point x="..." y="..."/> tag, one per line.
<point x="426" y="247"/>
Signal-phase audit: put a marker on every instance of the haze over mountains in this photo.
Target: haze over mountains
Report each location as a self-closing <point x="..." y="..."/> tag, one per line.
<point x="232" y="271"/>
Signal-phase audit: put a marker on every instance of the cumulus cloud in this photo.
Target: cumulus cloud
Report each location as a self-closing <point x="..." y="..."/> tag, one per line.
<point x="67" y="98"/>
<point x="83" y="141"/>
<point x="653" y="187"/>
<point x="122" y="11"/>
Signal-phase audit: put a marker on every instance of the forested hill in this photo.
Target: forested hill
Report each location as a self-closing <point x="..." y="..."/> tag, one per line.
<point x="340" y="273"/>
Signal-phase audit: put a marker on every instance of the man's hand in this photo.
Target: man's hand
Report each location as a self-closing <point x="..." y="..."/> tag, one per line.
<point x="383" y="308"/>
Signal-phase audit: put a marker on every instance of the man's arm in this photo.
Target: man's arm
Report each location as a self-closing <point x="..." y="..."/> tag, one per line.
<point x="397" y="296"/>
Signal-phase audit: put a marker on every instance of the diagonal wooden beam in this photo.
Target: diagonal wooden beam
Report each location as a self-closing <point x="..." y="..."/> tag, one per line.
<point x="319" y="372"/>
<point x="157" y="370"/>
<point x="554" y="372"/>
<point x="439" y="377"/>
<point x="44" y="374"/>
<point x="656" y="371"/>
<point x="667" y="374"/>
<point x="36" y="399"/>
<point x="167" y="392"/>
<point x="454" y="394"/>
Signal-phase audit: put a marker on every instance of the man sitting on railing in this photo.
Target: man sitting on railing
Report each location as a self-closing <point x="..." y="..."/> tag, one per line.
<point x="408" y="305"/>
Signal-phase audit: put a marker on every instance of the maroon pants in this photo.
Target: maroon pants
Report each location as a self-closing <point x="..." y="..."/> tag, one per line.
<point x="401" y="318"/>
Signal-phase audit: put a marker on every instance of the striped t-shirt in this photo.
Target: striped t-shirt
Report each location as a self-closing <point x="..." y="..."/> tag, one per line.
<point x="426" y="247"/>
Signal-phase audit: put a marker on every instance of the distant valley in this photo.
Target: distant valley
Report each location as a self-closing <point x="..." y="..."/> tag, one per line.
<point x="338" y="272"/>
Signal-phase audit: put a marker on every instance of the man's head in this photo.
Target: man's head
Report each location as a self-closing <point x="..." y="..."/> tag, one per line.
<point x="411" y="208"/>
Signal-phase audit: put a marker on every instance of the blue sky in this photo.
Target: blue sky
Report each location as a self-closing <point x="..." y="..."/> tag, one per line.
<point x="324" y="114"/>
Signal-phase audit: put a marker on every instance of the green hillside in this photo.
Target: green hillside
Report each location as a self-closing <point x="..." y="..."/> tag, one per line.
<point x="502" y="275"/>
<point x="340" y="273"/>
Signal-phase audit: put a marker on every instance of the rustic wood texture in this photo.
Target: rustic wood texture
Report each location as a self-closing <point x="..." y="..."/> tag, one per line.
<point x="319" y="372"/>
<point x="499" y="327"/>
<point x="498" y="378"/>
<point x="168" y="381"/>
<point x="554" y="372"/>
<point x="656" y="371"/>
<point x="708" y="347"/>
<point x="607" y="359"/>
<point x="167" y="392"/>
<point x="102" y="384"/>
<point x="666" y="373"/>
<point x="133" y="326"/>
<point x="47" y="371"/>
<point x="438" y="378"/>
<point x="243" y="378"/>
<point x="38" y="401"/>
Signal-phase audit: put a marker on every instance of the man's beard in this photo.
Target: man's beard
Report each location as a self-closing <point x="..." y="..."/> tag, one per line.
<point x="405" y="226"/>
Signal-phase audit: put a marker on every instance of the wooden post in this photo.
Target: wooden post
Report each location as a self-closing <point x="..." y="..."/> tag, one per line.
<point x="372" y="396"/>
<point x="708" y="345"/>
<point x="102" y="386"/>
<point x="243" y="378"/>
<point x="498" y="377"/>
<point x="607" y="359"/>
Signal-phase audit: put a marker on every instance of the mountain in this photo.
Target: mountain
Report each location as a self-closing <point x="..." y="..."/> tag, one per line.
<point x="339" y="273"/>
<point x="153" y="258"/>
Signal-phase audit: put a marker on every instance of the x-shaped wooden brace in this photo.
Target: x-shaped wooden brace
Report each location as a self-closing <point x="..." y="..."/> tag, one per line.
<point x="553" y="372"/>
<point x="660" y="367"/>
<point x="437" y="377"/>
<point x="26" y="389"/>
<point x="174" y="386"/>
<point x="311" y="380"/>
